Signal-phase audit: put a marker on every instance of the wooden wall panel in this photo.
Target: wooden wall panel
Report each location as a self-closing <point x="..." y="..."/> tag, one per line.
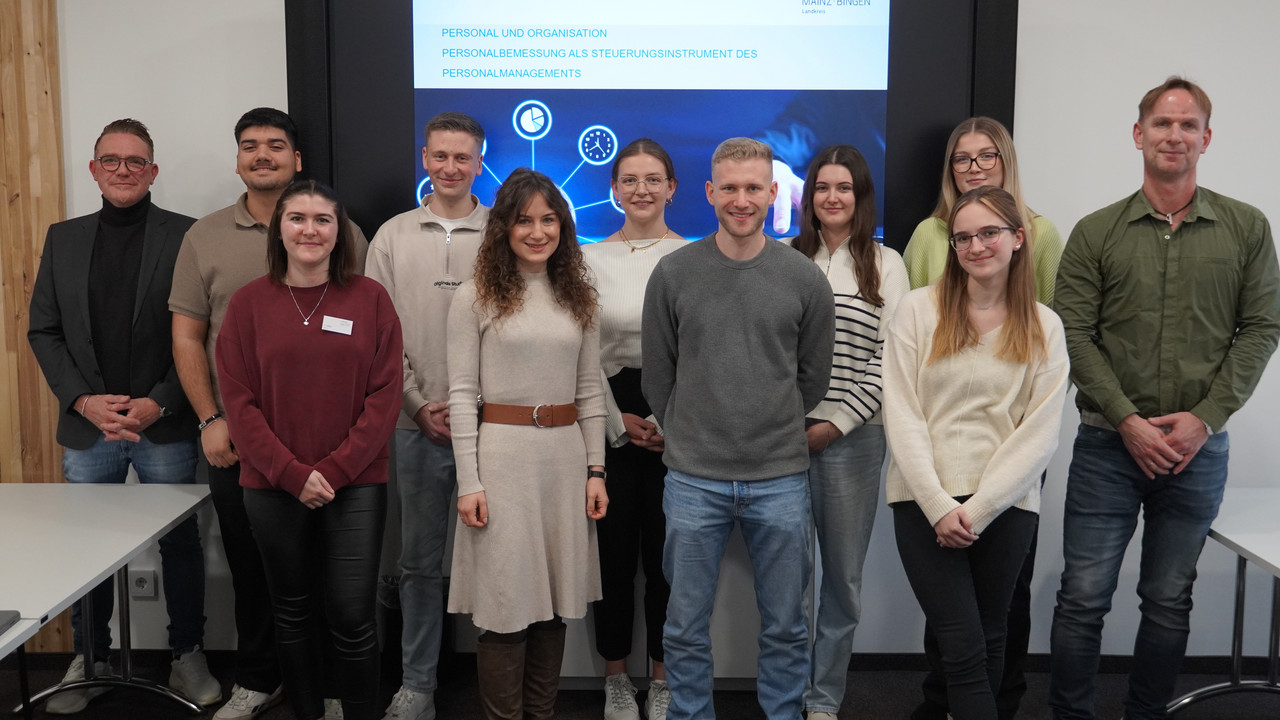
<point x="32" y="198"/>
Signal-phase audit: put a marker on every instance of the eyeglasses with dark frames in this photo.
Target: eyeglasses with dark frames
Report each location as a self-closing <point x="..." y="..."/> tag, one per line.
<point x="989" y="235"/>
<point x="134" y="164"/>
<point x="985" y="161"/>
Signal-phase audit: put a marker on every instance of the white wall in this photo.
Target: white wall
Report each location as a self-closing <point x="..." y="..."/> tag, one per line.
<point x="188" y="69"/>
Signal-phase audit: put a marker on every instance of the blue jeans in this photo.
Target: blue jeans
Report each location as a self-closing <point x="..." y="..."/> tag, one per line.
<point x="844" y="484"/>
<point x="181" y="557"/>
<point x="774" y="516"/>
<point x="1105" y="492"/>
<point x="426" y="477"/>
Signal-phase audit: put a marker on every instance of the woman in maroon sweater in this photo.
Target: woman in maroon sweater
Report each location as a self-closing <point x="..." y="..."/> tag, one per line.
<point x="309" y="362"/>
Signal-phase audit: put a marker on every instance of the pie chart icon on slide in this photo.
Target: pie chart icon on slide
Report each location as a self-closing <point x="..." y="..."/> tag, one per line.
<point x="531" y="120"/>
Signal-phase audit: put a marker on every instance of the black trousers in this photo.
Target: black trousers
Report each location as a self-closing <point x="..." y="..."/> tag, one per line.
<point x="323" y="563"/>
<point x="256" y="665"/>
<point x="634" y="529"/>
<point x="1013" y="682"/>
<point x="965" y="595"/>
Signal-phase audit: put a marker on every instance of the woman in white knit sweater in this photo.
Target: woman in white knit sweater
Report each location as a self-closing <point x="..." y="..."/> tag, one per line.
<point x="975" y="376"/>
<point x="846" y="436"/>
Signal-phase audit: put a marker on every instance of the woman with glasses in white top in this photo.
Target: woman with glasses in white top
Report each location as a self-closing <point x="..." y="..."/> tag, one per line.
<point x="644" y="183"/>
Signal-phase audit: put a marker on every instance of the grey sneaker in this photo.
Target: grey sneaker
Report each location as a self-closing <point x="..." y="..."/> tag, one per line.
<point x="659" y="697"/>
<point x="821" y="715"/>
<point x="332" y="709"/>
<point x="620" y="698"/>
<point x="190" y="676"/>
<point x="246" y="704"/>
<point x="411" y="705"/>
<point x="73" y="701"/>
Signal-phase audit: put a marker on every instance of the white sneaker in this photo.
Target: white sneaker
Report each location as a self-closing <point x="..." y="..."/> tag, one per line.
<point x="246" y="704"/>
<point x="821" y="716"/>
<point x="190" y="676"/>
<point x="620" y="698"/>
<point x="411" y="705"/>
<point x="659" y="697"/>
<point x="332" y="709"/>
<point x="73" y="701"/>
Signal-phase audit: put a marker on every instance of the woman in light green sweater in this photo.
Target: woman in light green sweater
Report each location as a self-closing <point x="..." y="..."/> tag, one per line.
<point x="980" y="153"/>
<point x="975" y="375"/>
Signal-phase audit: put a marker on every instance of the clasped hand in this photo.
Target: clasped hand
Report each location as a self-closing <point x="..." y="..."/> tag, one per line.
<point x="120" y="417"/>
<point x="955" y="530"/>
<point x="1163" y="445"/>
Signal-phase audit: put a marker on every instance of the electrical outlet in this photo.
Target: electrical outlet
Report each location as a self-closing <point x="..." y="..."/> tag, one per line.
<point x="142" y="584"/>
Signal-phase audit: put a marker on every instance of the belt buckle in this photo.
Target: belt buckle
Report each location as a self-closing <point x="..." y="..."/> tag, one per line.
<point x="536" y="408"/>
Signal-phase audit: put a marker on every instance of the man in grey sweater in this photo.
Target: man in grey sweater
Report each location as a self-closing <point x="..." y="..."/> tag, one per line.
<point x="737" y="337"/>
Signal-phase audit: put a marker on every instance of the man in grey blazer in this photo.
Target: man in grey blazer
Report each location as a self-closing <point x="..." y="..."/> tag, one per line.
<point x="100" y="329"/>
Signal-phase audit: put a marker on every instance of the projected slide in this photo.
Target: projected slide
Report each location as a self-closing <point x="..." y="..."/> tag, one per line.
<point x="562" y="87"/>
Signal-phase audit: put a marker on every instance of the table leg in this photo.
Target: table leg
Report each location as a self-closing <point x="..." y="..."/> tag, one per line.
<point x="126" y="679"/>
<point x="1235" y="683"/>
<point x="1273" y="647"/>
<point x="1237" y="625"/>
<point x="23" y="683"/>
<point x="122" y="609"/>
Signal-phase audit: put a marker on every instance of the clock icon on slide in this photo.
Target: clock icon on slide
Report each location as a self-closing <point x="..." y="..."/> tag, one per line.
<point x="597" y="145"/>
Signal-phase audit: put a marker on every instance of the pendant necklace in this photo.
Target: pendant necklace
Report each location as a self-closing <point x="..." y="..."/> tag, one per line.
<point x="1169" y="216"/>
<point x="642" y="248"/>
<point x="306" y="319"/>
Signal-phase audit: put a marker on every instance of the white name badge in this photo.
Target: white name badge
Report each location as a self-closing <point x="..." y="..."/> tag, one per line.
<point x="338" y="325"/>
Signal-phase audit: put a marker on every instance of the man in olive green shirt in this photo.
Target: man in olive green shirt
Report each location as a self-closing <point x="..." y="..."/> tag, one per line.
<point x="1171" y="303"/>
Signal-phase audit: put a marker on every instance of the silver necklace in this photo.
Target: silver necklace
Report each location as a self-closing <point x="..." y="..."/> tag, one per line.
<point x="306" y="319"/>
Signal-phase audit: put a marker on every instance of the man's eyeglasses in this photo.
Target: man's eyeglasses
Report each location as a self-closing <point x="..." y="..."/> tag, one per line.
<point x="629" y="183"/>
<point x="135" y="164"/>
<point x="985" y="161"/>
<point x="989" y="235"/>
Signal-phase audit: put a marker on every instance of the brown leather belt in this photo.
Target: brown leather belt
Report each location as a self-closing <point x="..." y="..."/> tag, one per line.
<point x="537" y="415"/>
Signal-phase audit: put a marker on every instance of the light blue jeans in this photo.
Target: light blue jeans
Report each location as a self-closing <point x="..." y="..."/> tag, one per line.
<point x="181" y="556"/>
<point x="426" y="477"/>
<point x="1106" y="491"/>
<point x="844" y="487"/>
<point x="774" y="516"/>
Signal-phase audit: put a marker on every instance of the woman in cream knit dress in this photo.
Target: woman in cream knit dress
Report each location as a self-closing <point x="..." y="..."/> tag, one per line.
<point x="522" y="338"/>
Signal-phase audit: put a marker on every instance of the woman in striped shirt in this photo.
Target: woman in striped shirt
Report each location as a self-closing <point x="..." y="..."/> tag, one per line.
<point x="846" y="437"/>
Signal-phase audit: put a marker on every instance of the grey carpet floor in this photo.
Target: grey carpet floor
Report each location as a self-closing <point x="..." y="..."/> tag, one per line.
<point x="872" y="695"/>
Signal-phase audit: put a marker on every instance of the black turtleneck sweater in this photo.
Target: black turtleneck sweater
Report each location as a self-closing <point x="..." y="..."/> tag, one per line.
<point x="113" y="289"/>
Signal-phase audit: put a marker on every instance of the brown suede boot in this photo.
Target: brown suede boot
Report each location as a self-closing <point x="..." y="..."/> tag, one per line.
<point x="500" y="668"/>
<point x="543" y="657"/>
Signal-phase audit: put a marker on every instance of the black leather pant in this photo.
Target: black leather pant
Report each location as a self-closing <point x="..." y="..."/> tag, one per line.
<point x="324" y="563"/>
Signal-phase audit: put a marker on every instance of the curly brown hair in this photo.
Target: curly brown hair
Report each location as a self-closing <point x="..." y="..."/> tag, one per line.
<point x="499" y="286"/>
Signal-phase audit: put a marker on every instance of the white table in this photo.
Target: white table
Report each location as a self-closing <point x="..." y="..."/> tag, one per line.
<point x="1247" y="524"/>
<point x="59" y="540"/>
